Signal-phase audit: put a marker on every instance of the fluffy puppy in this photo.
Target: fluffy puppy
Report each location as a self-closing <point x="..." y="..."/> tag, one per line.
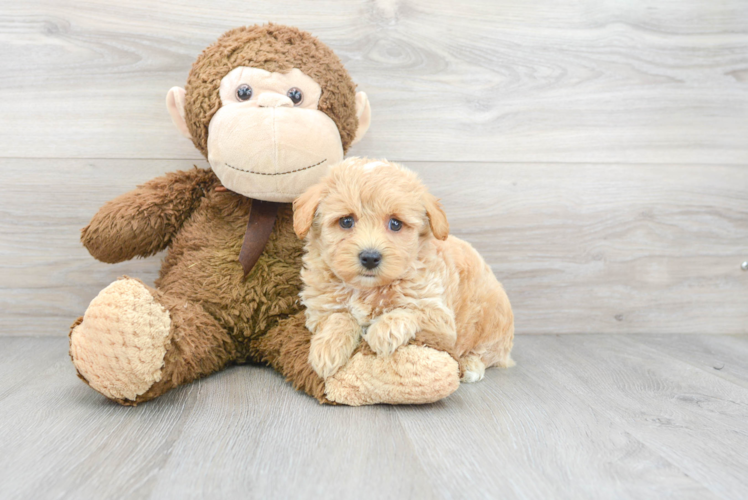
<point x="380" y="265"/>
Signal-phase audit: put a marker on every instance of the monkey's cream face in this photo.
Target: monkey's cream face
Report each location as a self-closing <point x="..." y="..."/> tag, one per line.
<point x="268" y="140"/>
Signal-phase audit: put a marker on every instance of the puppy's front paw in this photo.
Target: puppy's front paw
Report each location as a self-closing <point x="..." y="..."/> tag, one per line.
<point x="333" y="344"/>
<point x="390" y="331"/>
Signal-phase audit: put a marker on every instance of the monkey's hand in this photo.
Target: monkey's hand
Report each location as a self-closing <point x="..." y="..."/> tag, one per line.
<point x="333" y="343"/>
<point x="143" y="221"/>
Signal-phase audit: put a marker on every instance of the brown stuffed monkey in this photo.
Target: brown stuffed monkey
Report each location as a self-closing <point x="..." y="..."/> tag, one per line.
<point x="271" y="108"/>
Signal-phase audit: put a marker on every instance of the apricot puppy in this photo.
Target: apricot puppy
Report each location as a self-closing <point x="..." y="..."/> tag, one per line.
<point x="380" y="265"/>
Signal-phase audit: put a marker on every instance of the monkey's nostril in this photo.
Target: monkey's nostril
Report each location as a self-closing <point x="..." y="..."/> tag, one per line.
<point x="370" y="258"/>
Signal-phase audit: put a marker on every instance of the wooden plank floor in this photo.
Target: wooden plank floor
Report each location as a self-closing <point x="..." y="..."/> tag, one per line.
<point x="580" y="416"/>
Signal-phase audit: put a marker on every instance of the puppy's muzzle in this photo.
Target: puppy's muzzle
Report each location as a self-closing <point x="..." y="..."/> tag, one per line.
<point x="370" y="259"/>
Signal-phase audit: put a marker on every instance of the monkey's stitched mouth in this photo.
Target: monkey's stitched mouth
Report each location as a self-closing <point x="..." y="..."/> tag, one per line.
<point x="276" y="173"/>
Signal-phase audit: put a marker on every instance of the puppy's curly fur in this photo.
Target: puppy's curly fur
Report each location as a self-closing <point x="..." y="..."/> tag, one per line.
<point x="425" y="283"/>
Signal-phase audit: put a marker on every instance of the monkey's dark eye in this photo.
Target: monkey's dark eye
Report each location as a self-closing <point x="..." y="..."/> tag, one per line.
<point x="295" y="95"/>
<point x="395" y="225"/>
<point x="244" y="92"/>
<point x="346" y="222"/>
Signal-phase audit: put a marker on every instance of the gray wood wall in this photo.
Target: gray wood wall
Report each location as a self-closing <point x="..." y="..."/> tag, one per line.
<point x="595" y="152"/>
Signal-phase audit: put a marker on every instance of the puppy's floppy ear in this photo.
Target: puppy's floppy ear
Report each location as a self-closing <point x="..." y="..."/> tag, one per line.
<point x="304" y="208"/>
<point x="437" y="217"/>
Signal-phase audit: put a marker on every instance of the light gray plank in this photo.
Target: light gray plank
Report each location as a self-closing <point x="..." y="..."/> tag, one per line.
<point x="60" y="439"/>
<point x="268" y="441"/>
<point x="540" y="439"/>
<point x="48" y="278"/>
<point x="561" y="424"/>
<point x="607" y="249"/>
<point x="725" y="356"/>
<point x="695" y="420"/>
<point x="584" y="249"/>
<point x="242" y="433"/>
<point x="21" y="358"/>
<point x="482" y="80"/>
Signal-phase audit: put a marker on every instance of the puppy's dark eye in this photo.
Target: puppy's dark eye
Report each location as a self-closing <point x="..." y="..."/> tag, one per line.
<point x="244" y="92"/>
<point x="346" y="222"/>
<point x="296" y="96"/>
<point x="395" y="225"/>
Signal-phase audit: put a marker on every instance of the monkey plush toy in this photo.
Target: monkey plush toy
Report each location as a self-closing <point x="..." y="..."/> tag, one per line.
<point x="271" y="108"/>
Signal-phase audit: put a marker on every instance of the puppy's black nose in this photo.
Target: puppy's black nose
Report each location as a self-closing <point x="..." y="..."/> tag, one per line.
<point x="370" y="258"/>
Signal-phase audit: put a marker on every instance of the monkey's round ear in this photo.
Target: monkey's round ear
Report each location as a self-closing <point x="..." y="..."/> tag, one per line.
<point x="363" y="112"/>
<point x="175" y="105"/>
<point x="304" y="209"/>
<point x="437" y="217"/>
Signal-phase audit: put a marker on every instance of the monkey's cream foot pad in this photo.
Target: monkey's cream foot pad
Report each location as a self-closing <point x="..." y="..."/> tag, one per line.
<point x="119" y="346"/>
<point x="412" y="375"/>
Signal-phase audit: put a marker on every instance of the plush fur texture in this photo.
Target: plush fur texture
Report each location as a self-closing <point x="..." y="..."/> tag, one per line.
<point x="203" y="229"/>
<point x="412" y="375"/>
<point x="427" y="281"/>
<point x="274" y="48"/>
<point x="415" y="374"/>
<point x="155" y="212"/>
<point x="105" y="348"/>
<point x="216" y="317"/>
<point x="135" y="342"/>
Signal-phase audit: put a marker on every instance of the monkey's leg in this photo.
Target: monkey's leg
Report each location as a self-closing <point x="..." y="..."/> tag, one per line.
<point x="135" y="343"/>
<point x="414" y="374"/>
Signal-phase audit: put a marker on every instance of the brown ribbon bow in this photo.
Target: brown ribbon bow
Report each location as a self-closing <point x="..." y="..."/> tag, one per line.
<point x="262" y="217"/>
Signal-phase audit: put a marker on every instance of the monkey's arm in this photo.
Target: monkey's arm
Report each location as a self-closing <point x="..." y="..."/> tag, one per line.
<point x="143" y="221"/>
